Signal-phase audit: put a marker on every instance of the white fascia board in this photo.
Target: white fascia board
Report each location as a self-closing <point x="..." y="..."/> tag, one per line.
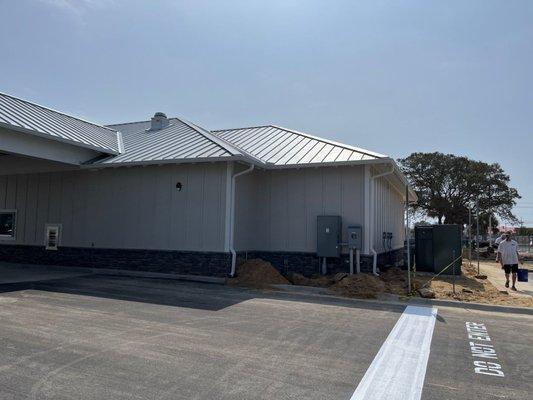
<point x="100" y="165"/>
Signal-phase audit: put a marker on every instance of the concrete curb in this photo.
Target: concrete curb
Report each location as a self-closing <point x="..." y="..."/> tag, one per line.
<point x="321" y="292"/>
<point x="317" y="292"/>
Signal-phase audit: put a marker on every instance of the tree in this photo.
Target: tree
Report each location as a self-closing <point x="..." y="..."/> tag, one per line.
<point x="448" y="185"/>
<point x="524" y="231"/>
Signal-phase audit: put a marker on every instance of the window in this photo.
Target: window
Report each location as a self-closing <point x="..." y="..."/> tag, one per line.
<point x="8" y="220"/>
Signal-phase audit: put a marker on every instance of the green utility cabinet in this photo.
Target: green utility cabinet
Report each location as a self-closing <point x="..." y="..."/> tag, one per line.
<point x="436" y="246"/>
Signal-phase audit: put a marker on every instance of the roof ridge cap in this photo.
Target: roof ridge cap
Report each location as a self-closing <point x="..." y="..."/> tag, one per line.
<point x="127" y="123"/>
<point x="240" y="129"/>
<point x="228" y="146"/>
<point x="209" y="136"/>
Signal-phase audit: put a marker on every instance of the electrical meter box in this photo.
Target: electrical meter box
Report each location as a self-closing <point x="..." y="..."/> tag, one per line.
<point x="328" y="235"/>
<point x="355" y="237"/>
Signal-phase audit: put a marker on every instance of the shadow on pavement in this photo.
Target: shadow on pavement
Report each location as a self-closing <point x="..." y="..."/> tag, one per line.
<point x="176" y="293"/>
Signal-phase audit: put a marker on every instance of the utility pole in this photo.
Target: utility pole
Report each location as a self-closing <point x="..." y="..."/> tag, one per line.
<point x="407" y="238"/>
<point x="490" y="228"/>
<point x="477" y="233"/>
<point x="470" y="234"/>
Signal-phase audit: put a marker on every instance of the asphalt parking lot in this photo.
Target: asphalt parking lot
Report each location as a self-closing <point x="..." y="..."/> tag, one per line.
<point x="108" y="337"/>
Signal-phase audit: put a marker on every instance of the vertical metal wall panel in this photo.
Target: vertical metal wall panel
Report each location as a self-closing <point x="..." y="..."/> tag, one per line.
<point x="211" y="228"/>
<point x="279" y="218"/>
<point x="279" y="208"/>
<point x="314" y="205"/>
<point x="178" y="215"/>
<point x="30" y="221"/>
<point x="43" y="197"/>
<point x="297" y="209"/>
<point x="67" y="209"/>
<point x="3" y="191"/>
<point x="164" y="185"/>
<point x="388" y="213"/>
<point x="332" y="189"/>
<point x="194" y="216"/>
<point x="21" y="198"/>
<point x="136" y="207"/>
<point x="352" y="207"/>
<point x="11" y="193"/>
<point x="249" y="228"/>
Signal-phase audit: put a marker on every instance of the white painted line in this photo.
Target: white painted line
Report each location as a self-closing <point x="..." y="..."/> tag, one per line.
<point x="399" y="368"/>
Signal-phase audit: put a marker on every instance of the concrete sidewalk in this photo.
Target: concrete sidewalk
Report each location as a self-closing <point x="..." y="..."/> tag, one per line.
<point x="496" y="276"/>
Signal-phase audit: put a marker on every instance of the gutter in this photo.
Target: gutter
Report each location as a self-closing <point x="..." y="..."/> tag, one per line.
<point x="373" y="217"/>
<point x="232" y="219"/>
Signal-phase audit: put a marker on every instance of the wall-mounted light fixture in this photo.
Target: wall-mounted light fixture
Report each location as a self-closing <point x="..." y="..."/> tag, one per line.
<point x="178" y="186"/>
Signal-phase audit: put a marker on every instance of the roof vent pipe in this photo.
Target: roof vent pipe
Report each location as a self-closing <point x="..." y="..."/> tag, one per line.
<point x="159" y="121"/>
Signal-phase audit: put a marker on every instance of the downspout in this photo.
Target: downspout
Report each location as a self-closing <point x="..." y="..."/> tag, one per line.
<point x="232" y="219"/>
<point x="373" y="218"/>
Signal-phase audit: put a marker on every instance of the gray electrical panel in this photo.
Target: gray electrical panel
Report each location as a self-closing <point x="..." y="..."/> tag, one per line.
<point x="328" y="235"/>
<point x="355" y="237"/>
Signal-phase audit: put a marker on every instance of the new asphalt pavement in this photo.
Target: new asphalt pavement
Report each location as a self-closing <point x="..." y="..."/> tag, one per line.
<point x="91" y="336"/>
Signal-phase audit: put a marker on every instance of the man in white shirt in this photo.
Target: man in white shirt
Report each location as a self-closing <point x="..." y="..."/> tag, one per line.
<point x="499" y="239"/>
<point x="508" y="257"/>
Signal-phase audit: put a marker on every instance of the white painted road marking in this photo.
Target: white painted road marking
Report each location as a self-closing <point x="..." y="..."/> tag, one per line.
<point x="481" y="349"/>
<point x="399" y="368"/>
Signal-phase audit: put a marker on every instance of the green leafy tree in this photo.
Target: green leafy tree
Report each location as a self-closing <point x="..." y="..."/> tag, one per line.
<point x="448" y="185"/>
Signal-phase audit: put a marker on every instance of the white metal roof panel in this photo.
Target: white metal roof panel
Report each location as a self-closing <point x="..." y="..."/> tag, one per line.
<point x="180" y="141"/>
<point x="21" y="115"/>
<point x="280" y="146"/>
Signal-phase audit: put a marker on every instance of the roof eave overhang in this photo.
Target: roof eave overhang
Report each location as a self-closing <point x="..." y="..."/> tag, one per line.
<point x="102" y="164"/>
<point x="104" y="150"/>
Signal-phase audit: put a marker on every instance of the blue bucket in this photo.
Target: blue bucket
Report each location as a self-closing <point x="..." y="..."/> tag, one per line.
<point x="522" y="275"/>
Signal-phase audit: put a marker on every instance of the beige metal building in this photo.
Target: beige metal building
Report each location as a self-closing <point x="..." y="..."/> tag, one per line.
<point x="166" y="195"/>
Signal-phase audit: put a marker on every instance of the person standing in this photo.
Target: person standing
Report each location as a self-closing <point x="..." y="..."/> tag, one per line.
<point x="499" y="239"/>
<point x="509" y="257"/>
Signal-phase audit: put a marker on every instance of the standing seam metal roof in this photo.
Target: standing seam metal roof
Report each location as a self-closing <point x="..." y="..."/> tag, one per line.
<point x="181" y="140"/>
<point x="21" y="115"/>
<point x="280" y="146"/>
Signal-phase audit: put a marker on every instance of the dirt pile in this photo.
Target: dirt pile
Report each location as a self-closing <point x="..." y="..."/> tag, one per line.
<point x="365" y="286"/>
<point x="257" y="273"/>
<point x="470" y="289"/>
<point x="395" y="281"/>
<point x="315" y="280"/>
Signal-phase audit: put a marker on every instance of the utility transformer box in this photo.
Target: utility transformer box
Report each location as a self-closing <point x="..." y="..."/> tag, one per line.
<point x="355" y="237"/>
<point x="436" y="246"/>
<point x="328" y="235"/>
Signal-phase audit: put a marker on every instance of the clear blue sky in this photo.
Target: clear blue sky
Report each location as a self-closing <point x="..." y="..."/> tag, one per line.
<point x="391" y="76"/>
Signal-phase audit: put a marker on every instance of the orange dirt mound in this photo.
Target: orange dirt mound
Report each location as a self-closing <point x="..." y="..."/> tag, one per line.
<point x="257" y="273"/>
<point x="365" y="286"/>
<point x="316" y="281"/>
<point x="468" y="288"/>
<point x="395" y="281"/>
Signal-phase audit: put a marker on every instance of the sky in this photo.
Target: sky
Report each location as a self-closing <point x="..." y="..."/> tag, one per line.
<point x="390" y="76"/>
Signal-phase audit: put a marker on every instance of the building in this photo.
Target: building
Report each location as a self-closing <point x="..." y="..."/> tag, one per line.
<point x="166" y="195"/>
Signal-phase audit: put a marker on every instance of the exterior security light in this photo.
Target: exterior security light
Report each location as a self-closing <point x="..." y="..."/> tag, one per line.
<point x="178" y="186"/>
